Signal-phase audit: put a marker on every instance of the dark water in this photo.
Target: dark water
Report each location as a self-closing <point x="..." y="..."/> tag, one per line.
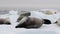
<point x="4" y="12"/>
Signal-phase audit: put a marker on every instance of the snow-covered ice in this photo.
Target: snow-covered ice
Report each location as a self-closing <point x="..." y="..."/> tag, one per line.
<point x="45" y="29"/>
<point x="53" y="18"/>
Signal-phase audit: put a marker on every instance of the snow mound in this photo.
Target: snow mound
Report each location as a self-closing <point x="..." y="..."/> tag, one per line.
<point x="53" y="18"/>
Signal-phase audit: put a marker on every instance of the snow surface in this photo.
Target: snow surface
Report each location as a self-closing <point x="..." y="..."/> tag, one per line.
<point x="45" y="29"/>
<point x="53" y="18"/>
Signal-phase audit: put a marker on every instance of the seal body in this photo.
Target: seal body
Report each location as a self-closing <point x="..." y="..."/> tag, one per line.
<point x="4" y="21"/>
<point x="30" y="22"/>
